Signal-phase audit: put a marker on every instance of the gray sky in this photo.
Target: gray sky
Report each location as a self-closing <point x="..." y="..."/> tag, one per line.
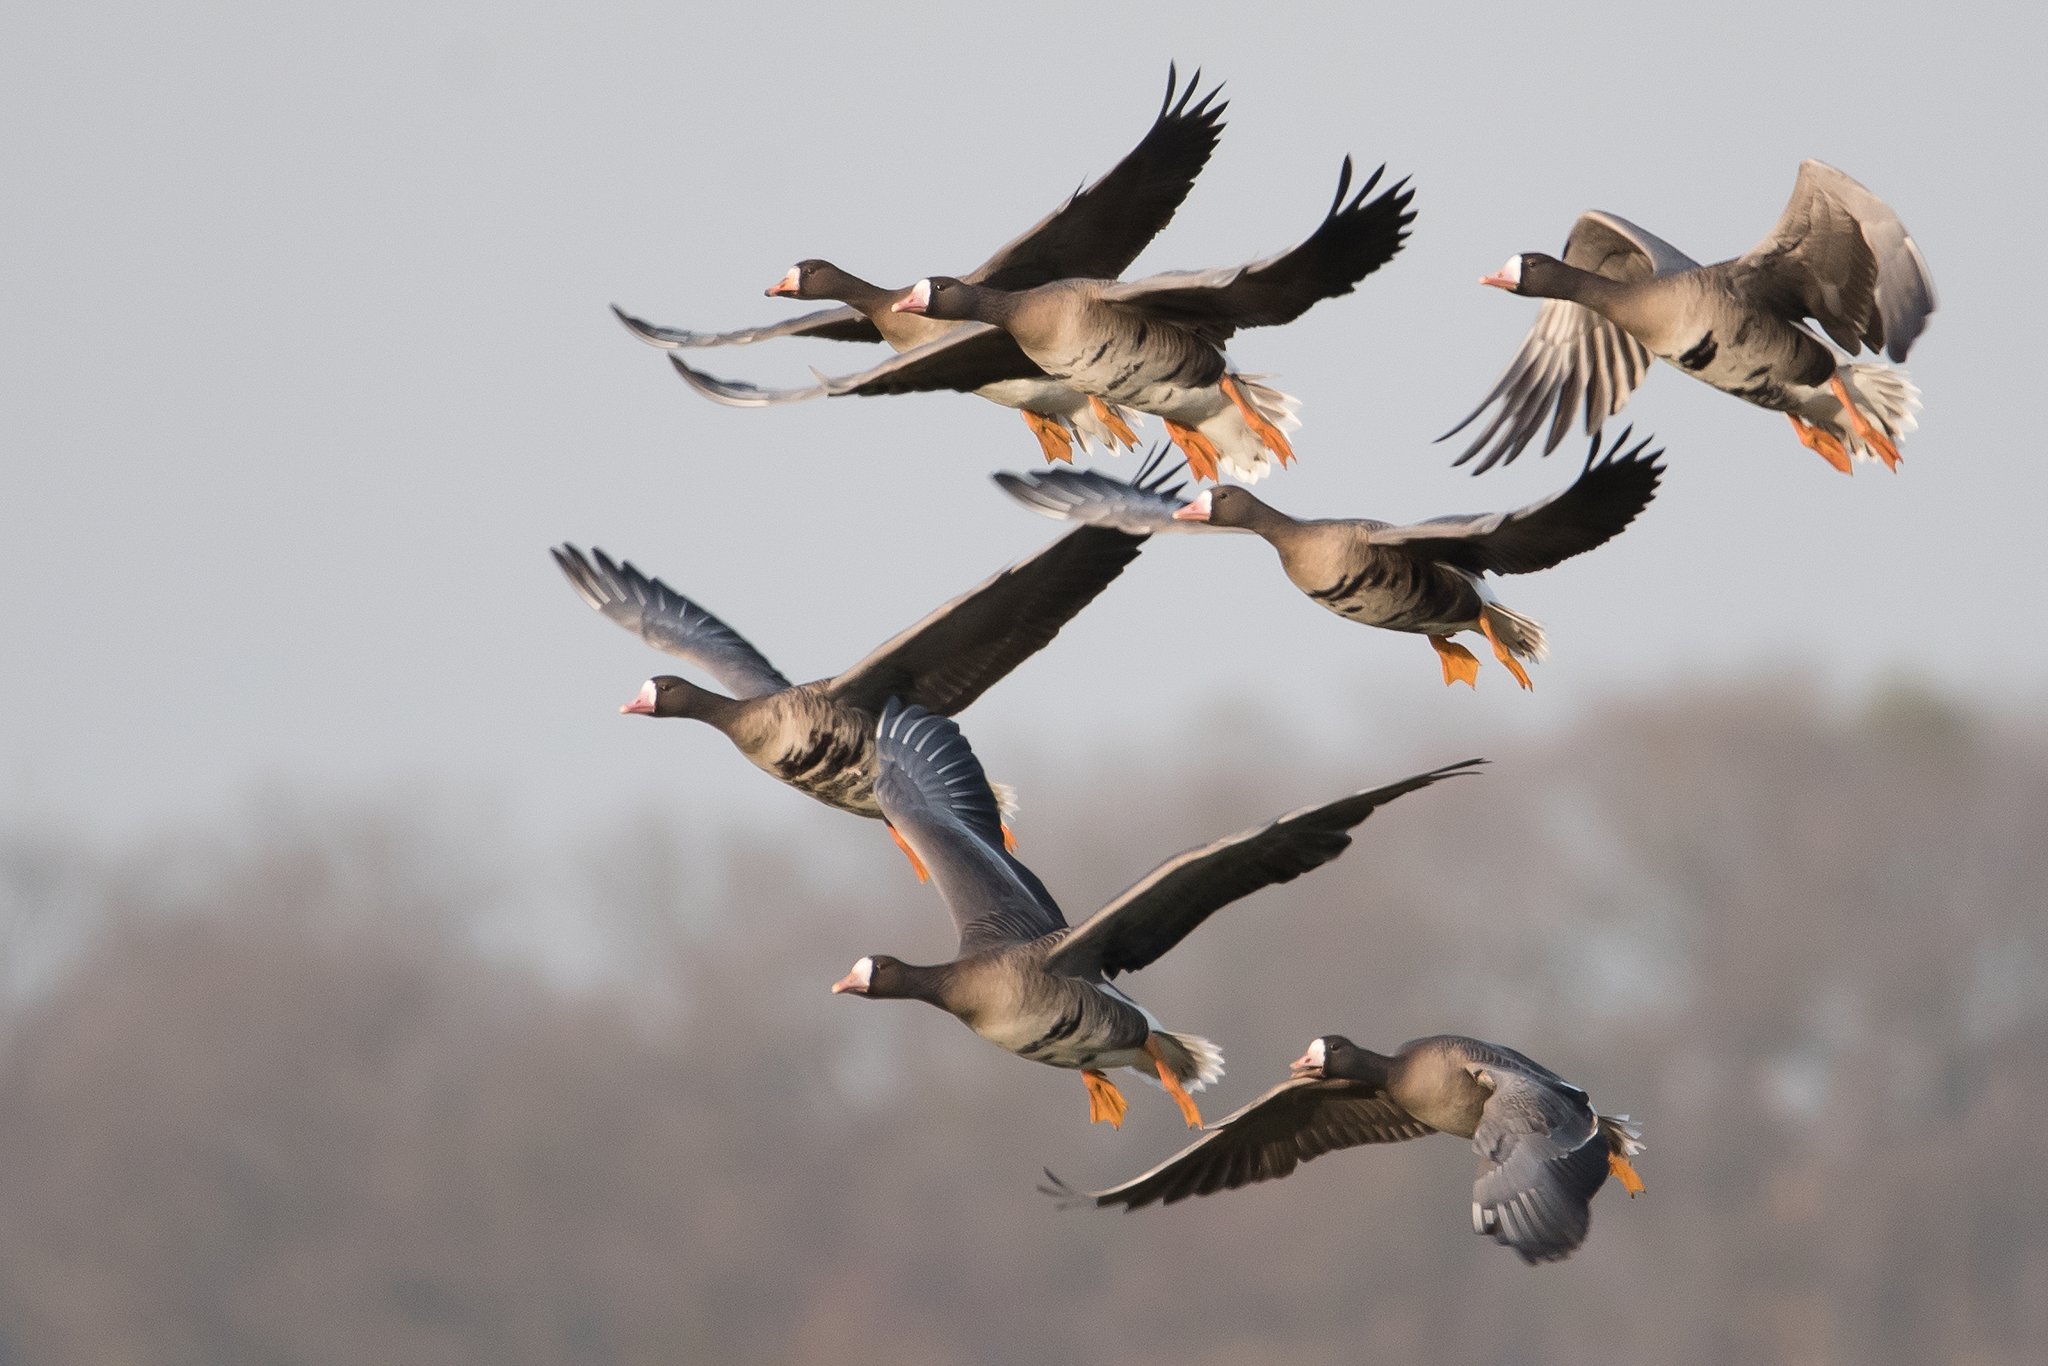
<point x="307" y="362"/>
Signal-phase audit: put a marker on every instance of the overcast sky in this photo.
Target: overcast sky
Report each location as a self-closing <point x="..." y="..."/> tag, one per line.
<point x="307" y="362"/>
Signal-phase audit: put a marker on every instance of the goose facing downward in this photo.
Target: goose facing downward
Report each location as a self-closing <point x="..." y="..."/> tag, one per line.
<point x="1021" y="978"/>
<point x="1544" y="1152"/>
<point x="1838" y="255"/>
<point x="1429" y="578"/>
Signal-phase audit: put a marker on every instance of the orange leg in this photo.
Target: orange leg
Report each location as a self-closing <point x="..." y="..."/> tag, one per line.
<point x="916" y="863"/>
<point x="1275" y="439"/>
<point x="1172" y="1084"/>
<point x="1118" y="428"/>
<point x="1822" y="443"/>
<point x="1625" y="1172"/>
<point x="1203" y="457"/>
<point x="1053" y="437"/>
<point x="1460" y="664"/>
<point x="1500" y="652"/>
<point x="1105" y="1102"/>
<point x="1872" y="437"/>
<point x="1009" y="838"/>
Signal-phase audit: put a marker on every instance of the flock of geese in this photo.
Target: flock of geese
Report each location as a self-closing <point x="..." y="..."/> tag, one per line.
<point x="1046" y="327"/>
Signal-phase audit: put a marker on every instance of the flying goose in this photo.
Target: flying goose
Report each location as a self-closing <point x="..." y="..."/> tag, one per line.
<point x="1427" y="577"/>
<point x="1156" y="344"/>
<point x="1838" y="255"/>
<point x="1543" y="1150"/>
<point x="819" y="737"/>
<point x="1021" y="978"/>
<point x="1098" y="230"/>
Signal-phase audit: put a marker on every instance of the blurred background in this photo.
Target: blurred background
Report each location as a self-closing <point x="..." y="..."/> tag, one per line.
<point x="371" y="990"/>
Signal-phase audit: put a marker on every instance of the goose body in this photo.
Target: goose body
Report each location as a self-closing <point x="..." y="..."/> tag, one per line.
<point x="1100" y="229"/>
<point x="818" y="737"/>
<point x="1428" y="578"/>
<point x="1025" y="981"/>
<point x="1838" y="255"/>
<point x="1156" y="344"/>
<point x="1544" y="1151"/>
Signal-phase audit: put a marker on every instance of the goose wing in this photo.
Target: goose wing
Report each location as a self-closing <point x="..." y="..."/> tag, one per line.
<point x="1293" y="1123"/>
<point x="1541" y="1159"/>
<point x="1572" y="356"/>
<point x="1141" y="505"/>
<point x="1101" y="228"/>
<point x="668" y="621"/>
<point x="1356" y="237"/>
<point x="1171" y="900"/>
<point x="955" y="653"/>
<point x="1599" y="504"/>
<point x="933" y="791"/>
<point x="1839" y="255"/>
<point x="828" y="324"/>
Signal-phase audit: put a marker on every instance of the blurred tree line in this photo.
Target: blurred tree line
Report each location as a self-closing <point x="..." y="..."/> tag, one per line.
<point x="284" y="1095"/>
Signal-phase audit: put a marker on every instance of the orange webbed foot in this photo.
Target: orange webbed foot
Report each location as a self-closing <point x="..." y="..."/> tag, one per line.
<point x="1203" y="457"/>
<point x="1822" y="443"/>
<point x="1109" y="418"/>
<point x="1172" y="1084"/>
<point x="1460" y="664"/>
<point x="1106" y="1104"/>
<point x="1625" y="1172"/>
<point x="1009" y="838"/>
<point x="1500" y="652"/>
<point x="916" y="863"/>
<point x="1053" y="437"/>
<point x="1865" y="429"/>
<point x="1275" y="439"/>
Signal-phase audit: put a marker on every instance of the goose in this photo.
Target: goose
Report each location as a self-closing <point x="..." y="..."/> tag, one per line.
<point x="1838" y="255"/>
<point x="1098" y="230"/>
<point x="819" y="737"/>
<point x="1156" y="344"/>
<point x="1428" y="578"/>
<point x="1543" y="1150"/>
<point x="1021" y="978"/>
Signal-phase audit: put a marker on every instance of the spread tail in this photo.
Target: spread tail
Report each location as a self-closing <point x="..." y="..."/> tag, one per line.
<point x="1195" y="1061"/>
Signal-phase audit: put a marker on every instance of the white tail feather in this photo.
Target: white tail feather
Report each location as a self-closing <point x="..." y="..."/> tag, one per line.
<point x="1006" y="801"/>
<point x="1093" y="431"/>
<point x="1195" y="1061"/>
<point x="1622" y="1134"/>
<point x="1522" y="636"/>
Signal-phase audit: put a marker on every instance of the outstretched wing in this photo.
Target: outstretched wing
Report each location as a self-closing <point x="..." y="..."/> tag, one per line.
<point x="933" y="791"/>
<point x="1355" y="238"/>
<point x="964" y="359"/>
<point x="735" y="393"/>
<point x="1293" y="1123"/>
<point x="1572" y="354"/>
<point x="1101" y="229"/>
<point x="1141" y="505"/>
<point x="1839" y="255"/>
<point x="1541" y="1159"/>
<point x="828" y="324"/>
<point x="1604" y="499"/>
<point x="1163" y="908"/>
<point x="668" y="621"/>
<point x="956" y="653"/>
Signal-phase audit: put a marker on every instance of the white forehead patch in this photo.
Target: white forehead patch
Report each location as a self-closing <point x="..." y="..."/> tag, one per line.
<point x="646" y="698"/>
<point x="863" y="973"/>
<point x="1316" y="1053"/>
<point x="921" y="293"/>
<point x="1512" y="271"/>
<point x="792" y="280"/>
